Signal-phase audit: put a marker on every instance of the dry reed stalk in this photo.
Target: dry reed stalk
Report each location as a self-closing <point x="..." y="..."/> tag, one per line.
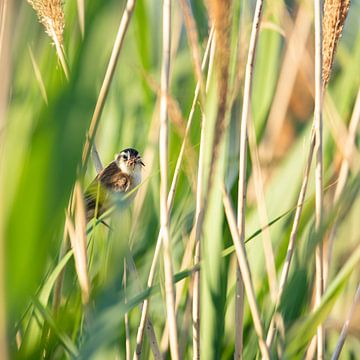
<point x="170" y="200"/>
<point x="311" y="349"/>
<point x="293" y="235"/>
<point x="335" y="12"/>
<point x="50" y="13"/>
<point x="343" y="175"/>
<point x="109" y="74"/>
<point x="261" y="204"/>
<point x="126" y="318"/>
<point x="81" y="15"/>
<point x="245" y="274"/>
<point x="242" y="151"/>
<point x="185" y="264"/>
<point x="164" y="163"/>
<point x="77" y="235"/>
<point x="318" y="124"/>
<point x="345" y="328"/>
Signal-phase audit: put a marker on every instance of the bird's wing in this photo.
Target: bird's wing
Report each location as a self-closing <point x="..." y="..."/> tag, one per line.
<point x="96" y="194"/>
<point x="113" y="179"/>
<point x="110" y="179"/>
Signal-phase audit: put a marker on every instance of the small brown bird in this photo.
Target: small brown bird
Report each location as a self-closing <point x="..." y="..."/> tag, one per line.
<point x="118" y="178"/>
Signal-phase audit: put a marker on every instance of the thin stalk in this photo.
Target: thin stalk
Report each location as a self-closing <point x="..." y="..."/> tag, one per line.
<point x="345" y="328"/>
<point x="150" y="332"/>
<point x="199" y="217"/>
<point x="164" y="163"/>
<point x="59" y="51"/>
<point x="242" y="161"/>
<point x="170" y="200"/>
<point x="126" y="319"/>
<point x="319" y="169"/>
<point x="185" y="264"/>
<point x="124" y="23"/>
<point x="245" y="274"/>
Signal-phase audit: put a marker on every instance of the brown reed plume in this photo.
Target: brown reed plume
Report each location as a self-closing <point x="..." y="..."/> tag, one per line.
<point x="335" y="12"/>
<point x="220" y="13"/>
<point x="50" y="13"/>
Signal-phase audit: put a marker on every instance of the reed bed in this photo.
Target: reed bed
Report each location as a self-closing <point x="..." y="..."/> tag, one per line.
<point x="237" y="244"/>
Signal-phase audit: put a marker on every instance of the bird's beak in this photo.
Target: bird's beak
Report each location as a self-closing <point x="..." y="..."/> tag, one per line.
<point x="139" y="160"/>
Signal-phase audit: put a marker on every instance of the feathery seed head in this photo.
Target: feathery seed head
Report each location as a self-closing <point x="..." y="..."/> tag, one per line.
<point x="51" y="15"/>
<point x="335" y="12"/>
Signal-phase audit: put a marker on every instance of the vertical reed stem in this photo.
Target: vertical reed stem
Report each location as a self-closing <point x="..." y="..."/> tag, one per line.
<point x="319" y="168"/>
<point x="164" y="163"/>
<point x="242" y="161"/>
<point x="199" y="217"/>
<point x="126" y="320"/>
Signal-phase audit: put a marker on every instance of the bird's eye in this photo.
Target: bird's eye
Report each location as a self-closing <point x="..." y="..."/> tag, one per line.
<point x="124" y="157"/>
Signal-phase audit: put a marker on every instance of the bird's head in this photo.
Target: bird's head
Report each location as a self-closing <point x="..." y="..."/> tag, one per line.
<point x="129" y="161"/>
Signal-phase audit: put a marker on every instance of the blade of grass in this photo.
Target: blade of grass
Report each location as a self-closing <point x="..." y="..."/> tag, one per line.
<point x="5" y="22"/>
<point x="38" y="75"/>
<point x="299" y="335"/>
<point x="63" y="338"/>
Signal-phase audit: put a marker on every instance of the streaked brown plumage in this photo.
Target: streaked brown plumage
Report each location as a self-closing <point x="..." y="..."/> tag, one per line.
<point x="119" y="177"/>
